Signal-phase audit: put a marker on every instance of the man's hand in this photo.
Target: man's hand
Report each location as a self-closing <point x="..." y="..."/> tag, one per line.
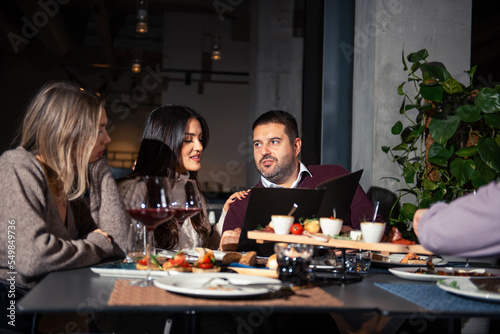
<point x="416" y="218"/>
<point x="229" y="240"/>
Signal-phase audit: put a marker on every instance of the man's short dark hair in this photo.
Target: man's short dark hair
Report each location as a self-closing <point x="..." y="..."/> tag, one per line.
<point x="280" y="117"/>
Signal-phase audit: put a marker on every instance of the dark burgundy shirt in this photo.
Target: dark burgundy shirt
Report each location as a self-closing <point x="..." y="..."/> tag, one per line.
<point x="361" y="206"/>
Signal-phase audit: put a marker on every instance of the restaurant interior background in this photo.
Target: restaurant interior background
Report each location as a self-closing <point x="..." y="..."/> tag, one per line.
<point x="316" y="59"/>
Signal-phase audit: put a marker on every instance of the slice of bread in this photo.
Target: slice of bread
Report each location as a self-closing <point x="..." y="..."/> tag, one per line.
<point x="203" y="271"/>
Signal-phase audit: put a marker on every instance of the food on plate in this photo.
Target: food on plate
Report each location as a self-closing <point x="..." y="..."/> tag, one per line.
<point x="206" y="262"/>
<point x="458" y="272"/>
<point x="249" y="258"/>
<point x="142" y="264"/>
<point x="297" y="229"/>
<point x="311" y="225"/>
<point x="177" y="263"/>
<point x="231" y="257"/>
<point x="412" y="258"/>
<point x="378" y="257"/>
<point x="272" y="262"/>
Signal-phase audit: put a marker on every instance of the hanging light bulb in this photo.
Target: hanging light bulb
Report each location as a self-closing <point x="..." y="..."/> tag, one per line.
<point x="142" y="17"/>
<point x="216" y="54"/>
<point x="136" y="61"/>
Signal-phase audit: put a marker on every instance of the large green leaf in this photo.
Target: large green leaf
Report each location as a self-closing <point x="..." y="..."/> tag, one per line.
<point x="397" y="128"/>
<point x="400" y="89"/>
<point x="418" y="129"/>
<point x="466" y="151"/>
<point x="484" y="170"/>
<point x="425" y="107"/>
<point x="437" y="72"/>
<point x="415" y="67"/>
<point x="408" y="210"/>
<point x="469" y="113"/>
<point x="439" y="151"/>
<point x="478" y="180"/>
<point x="400" y="147"/>
<point x="409" y="173"/>
<point x="490" y="152"/>
<point x="418" y="56"/>
<point x="492" y="120"/>
<point x="407" y="136"/>
<point x="452" y="86"/>
<point x="488" y="101"/>
<point x="385" y="149"/>
<point x="462" y="170"/>
<point x="428" y="184"/>
<point x="443" y="129"/>
<point x="432" y="92"/>
<point x="439" y="161"/>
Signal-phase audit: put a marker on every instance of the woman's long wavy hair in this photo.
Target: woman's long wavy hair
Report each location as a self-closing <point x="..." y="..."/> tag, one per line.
<point x="60" y="127"/>
<point x="160" y="154"/>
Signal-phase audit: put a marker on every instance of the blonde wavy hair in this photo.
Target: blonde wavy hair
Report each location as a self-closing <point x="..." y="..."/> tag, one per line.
<point x="60" y="128"/>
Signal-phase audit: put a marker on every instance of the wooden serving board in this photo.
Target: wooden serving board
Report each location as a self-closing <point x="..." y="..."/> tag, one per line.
<point x="261" y="237"/>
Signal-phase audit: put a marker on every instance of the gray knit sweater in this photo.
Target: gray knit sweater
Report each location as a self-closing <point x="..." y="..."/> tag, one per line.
<point x="34" y="240"/>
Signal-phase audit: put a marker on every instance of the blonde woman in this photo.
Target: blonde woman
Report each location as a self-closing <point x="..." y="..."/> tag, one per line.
<point x="59" y="198"/>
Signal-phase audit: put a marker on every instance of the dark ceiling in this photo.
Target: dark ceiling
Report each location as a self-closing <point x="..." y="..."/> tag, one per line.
<point x="102" y="32"/>
<point x="95" y="32"/>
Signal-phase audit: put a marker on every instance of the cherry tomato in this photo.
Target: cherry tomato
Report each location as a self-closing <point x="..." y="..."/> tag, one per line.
<point x="205" y="265"/>
<point x="296" y="228"/>
<point x="143" y="262"/>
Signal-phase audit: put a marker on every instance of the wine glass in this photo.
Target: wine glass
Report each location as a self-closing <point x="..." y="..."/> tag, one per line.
<point x="152" y="207"/>
<point x="186" y="199"/>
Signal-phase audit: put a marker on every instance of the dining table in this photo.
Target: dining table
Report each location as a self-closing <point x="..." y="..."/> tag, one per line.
<point x="378" y="292"/>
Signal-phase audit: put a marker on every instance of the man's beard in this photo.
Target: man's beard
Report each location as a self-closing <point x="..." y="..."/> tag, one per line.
<point x="281" y="172"/>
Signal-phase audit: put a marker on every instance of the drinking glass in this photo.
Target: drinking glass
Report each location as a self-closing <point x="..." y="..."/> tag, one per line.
<point x="152" y="207"/>
<point x="186" y="200"/>
<point x="358" y="261"/>
<point x="136" y="242"/>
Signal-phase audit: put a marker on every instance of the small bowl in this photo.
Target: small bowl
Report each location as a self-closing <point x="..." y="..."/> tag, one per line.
<point x="330" y="226"/>
<point x="282" y="224"/>
<point x="372" y="232"/>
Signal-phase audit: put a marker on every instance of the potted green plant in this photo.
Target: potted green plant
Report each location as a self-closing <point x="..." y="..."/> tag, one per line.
<point x="451" y="143"/>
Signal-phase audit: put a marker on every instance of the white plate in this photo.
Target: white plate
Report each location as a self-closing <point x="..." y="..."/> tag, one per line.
<point x="394" y="260"/>
<point x="466" y="288"/>
<point x="127" y="270"/>
<point x="193" y="285"/>
<point x="406" y="273"/>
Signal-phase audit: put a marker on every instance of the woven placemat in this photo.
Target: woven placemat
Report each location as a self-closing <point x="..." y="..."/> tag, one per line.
<point x="433" y="298"/>
<point x="124" y="294"/>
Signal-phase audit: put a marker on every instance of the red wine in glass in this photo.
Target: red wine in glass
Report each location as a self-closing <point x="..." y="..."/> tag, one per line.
<point x="150" y="204"/>
<point x="181" y="214"/>
<point x="152" y="218"/>
<point x="186" y="199"/>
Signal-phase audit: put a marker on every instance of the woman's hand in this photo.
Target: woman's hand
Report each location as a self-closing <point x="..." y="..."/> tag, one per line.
<point x="237" y="195"/>
<point x="103" y="233"/>
<point x="416" y="218"/>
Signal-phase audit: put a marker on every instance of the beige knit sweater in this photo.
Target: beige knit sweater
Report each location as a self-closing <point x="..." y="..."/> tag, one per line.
<point x="34" y="240"/>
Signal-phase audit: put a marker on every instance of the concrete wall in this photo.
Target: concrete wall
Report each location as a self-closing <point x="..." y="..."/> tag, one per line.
<point x="275" y="67"/>
<point x="383" y="28"/>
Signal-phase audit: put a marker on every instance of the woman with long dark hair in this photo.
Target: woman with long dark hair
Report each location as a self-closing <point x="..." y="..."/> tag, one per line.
<point x="172" y="145"/>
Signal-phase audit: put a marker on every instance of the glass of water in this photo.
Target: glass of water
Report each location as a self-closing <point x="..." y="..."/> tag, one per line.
<point x="358" y="261"/>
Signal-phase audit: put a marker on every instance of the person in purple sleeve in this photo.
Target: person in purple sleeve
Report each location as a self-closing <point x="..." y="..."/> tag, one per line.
<point x="473" y="219"/>
<point x="276" y="147"/>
